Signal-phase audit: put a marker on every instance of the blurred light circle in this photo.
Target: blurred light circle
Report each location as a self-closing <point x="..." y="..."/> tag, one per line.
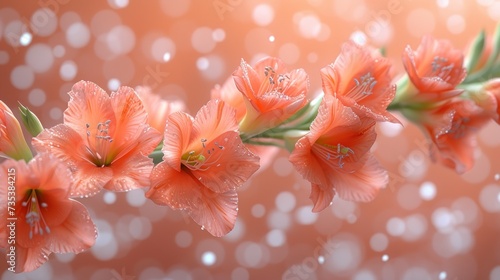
<point x="240" y="273"/>
<point x="140" y="228"/>
<point x="415" y="227"/>
<point x="359" y="37"/>
<point x="305" y="216"/>
<point x="263" y="14"/>
<point x="37" y="97"/>
<point x="58" y="51"/>
<point x="212" y="67"/>
<point x="275" y="238"/>
<point x="121" y="39"/>
<point x="25" y="39"/>
<point x="113" y="84"/>
<point x="309" y="25"/>
<point x="103" y="21"/>
<point x="285" y="201"/>
<point x="174" y="8"/>
<point x="343" y="209"/>
<point x="105" y="247"/>
<point x="218" y="35"/>
<point x="282" y="166"/>
<point x="495" y="273"/>
<point x="443" y="219"/>
<point x="56" y="113"/>
<point x="387" y="128"/>
<point x="161" y="47"/>
<point x="22" y="77"/>
<point x="395" y="226"/>
<point x="442" y="275"/>
<point x="289" y="53"/>
<point x="208" y="258"/>
<point x="257" y="41"/>
<point x="488" y="198"/>
<point x="120" y="67"/>
<point x="65" y="258"/>
<point x="346" y="256"/>
<point x="183" y="239"/>
<point x="385" y="257"/>
<point x="379" y="242"/>
<point x="109" y="197"/>
<point x="420" y="22"/>
<point x="250" y="254"/>
<point x="118" y="4"/>
<point x="68" y="70"/>
<point x="202" y="40"/>
<point x="68" y="19"/>
<point x="427" y="191"/>
<point x="278" y="220"/>
<point x="43" y="22"/>
<point x="456" y="24"/>
<point x="416" y="273"/>
<point x="494" y="11"/>
<point x="39" y="58"/>
<point x="364" y="275"/>
<point x="78" y="35"/>
<point x="488" y="135"/>
<point x="324" y="33"/>
<point x="258" y="210"/>
<point x="468" y="210"/>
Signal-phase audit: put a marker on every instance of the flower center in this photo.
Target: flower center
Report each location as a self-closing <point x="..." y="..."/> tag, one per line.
<point x="459" y="127"/>
<point x="34" y="216"/>
<point x="363" y="86"/>
<point x="274" y="81"/>
<point x="98" y="143"/>
<point x="339" y="152"/>
<point x="441" y="68"/>
<point x="207" y="157"/>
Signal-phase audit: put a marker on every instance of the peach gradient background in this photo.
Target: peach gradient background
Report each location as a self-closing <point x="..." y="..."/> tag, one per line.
<point x="405" y="233"/>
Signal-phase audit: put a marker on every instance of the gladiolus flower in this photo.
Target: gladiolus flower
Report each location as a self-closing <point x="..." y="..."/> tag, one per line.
<point x="271" y="93"/>
<point x="12" y="142"/>
<point x="334" y="156"/>
<point x="452" y="128"/>
<point x="435" y="69"/>
<point x="105" y="140"/>
<point x="360" y="79"/>
<point x="487" y="96"/>
<point x="157" y="108"/>
<point x="44" y="218"/>
<point x="229" y="93"/>
<point x="204" y="162"/>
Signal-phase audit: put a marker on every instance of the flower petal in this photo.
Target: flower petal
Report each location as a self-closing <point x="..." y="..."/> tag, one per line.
<point x="177" y="137"/>
<point x="213" y="119"/>
<point x="130" y="173"/>
<point x="321" y="197"/>
<point x="362" y="185"/>
<point x="88" y="104"/>
<point x="29" y="259"/>
<point x="76" y="234"/>
<point x="228" y="163"/>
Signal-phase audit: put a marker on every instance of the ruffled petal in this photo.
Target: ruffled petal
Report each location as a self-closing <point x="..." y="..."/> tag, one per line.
<point x="307" y="164"/>
<point x="362" y="185"/>
<point x="76" y="234"/>
<point x="228" y="163"/>
<point x="213" y="119"/>
<point x="321" y="197"/>
<point x="89" y="104"/>
<point x="29" y="259"/>
<point x="177" y="137"/>
<point x="130" y="173"/>
<point x="216" y="212"/>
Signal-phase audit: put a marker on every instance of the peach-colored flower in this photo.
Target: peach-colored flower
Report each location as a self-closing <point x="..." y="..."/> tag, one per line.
<point x="232" y="97"/>
<point x="452" y="128"/>
<point x="272" y="94"/>
<point x="157" y="108"/>
<point x="204" y="162"/>
<point x="37" y="216"/>
<point x="435" y="69"/>
<point x="487" y="96"/>
<point x="12" y="142"/>
<point x="334" y="156"/>
<point x="105" y="140"/>
<point x="360" y="79"/>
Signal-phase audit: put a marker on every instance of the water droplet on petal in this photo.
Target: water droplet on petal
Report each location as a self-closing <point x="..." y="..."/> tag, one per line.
<point x="202" y="227"/>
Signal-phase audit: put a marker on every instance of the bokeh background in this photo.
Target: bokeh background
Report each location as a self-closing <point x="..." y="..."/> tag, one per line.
<point x="430" y="223"/>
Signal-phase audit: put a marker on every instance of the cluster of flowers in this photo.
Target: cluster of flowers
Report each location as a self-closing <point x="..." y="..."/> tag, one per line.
<point x="132" y="139"/>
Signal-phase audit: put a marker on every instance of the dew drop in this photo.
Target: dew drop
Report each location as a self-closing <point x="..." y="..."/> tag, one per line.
<point x="202" y="227"/>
